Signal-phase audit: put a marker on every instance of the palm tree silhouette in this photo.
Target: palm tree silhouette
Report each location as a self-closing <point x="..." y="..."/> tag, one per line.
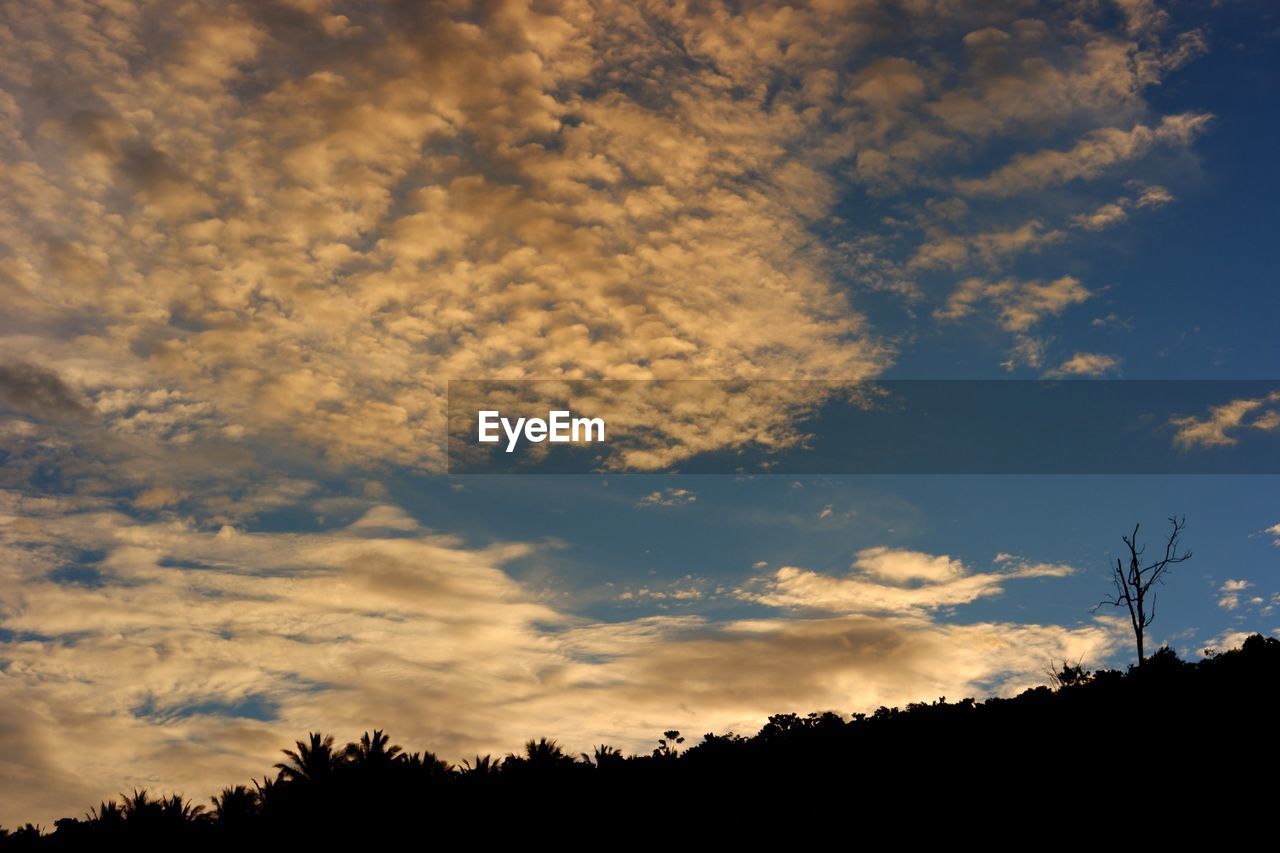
<point x="176" y="809"/>
<point x="140" y="809"/>
<point x="485" y="767"/>
<point x="425" y="765"/>
<point x="545" y="752"/>
<point x="314" y="760"/>
<point x="107" y="815"/>
<point x="606" y="756"/>
<point x="266" y="788"/>
<point x="540" y="756"/>
<point x="373" y="751"/>
<point x="235" y="805"/>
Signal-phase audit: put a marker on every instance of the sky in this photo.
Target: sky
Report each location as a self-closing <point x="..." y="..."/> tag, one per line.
<point x="245" y="247"/>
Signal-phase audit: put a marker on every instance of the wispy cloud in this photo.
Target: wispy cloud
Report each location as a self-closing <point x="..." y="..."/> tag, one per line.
<point x="1086" y="364"/>
<point x="886" y="580"/>
<point x="1115" y="212"/>
<point x="170" y="637"/>
<point x="1224" y="423"/>
<point x="1019" y="305"/>
<point x="668" y="497"/>
<point x="955" y="251"/>
<point x="686" y="589"/>
<point x="1095" y="153"/>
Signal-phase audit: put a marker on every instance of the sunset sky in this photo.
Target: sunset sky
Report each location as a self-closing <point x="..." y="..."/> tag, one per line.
<point x="244" y="248"/>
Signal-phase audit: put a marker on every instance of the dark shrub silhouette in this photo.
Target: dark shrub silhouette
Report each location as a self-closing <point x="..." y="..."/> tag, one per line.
<point x="1114" y="751"/>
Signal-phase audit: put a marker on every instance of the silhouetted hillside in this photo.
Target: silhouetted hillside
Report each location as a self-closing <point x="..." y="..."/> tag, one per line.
<point x="1144" y="754"/>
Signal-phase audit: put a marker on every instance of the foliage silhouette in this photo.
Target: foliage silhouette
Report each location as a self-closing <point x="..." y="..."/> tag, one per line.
<point x="668" y="744"/>
<point x="235" y="807"/>
<point x="484" y="767"/>
<point x="313" y="761"/>
<point x="933" y="764"/>
<point x="373" y="752"/>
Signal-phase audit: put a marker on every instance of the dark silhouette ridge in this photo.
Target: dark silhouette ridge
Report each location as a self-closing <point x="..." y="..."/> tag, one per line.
<point x="1104" y="752"/>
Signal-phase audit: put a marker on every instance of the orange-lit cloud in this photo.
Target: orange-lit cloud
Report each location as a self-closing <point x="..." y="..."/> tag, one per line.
<point x="1086" y="364"/>
<point x="1224" y="424"/>
<point x="266" y="222"/>
<point x="891" y="581"/>
<point x="245" y="246"/>
<point x="174" y="638"/>
<point x="1088" y="158"/>
<point x="1019" y="304"/>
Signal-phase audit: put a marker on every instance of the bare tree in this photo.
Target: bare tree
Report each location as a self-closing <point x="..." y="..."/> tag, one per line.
<point x="1133" y="583"/>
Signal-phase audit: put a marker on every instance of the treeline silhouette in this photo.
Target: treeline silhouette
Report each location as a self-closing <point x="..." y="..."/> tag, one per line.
<point x="1104" y="752"/>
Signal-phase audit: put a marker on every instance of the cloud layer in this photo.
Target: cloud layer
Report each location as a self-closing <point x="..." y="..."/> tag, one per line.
<point x="245" y="246"/>
<point x="159" y="655"/>
<point x="294" y="222"/>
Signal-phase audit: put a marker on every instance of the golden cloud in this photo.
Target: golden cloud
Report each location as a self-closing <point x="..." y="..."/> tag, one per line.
<point x="257" y="224"/>
<point x="175" y="638"/>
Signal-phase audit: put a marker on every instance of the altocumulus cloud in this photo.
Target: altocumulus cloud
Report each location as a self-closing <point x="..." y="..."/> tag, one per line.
<point x="294" y="222"/>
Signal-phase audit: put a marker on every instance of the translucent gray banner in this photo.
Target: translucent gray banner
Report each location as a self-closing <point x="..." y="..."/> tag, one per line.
<point x="867" y="427"/>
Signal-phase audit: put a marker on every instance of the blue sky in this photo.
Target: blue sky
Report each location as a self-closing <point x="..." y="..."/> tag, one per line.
<point x="736" y="522"/>
<point x="244" y="248"/>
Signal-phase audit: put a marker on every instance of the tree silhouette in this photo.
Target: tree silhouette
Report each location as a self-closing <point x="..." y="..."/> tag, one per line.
<point x="541" y="757"/>
<point x="314" y="761"/>
<point x="668" y="744"/>
<point x="267" y="788"/>
<point x="373" y="751"/>
<point x="605" y="756"/>
<point x="426" y="766"/>
<point x="545" y="753"/>
<point x="178" y="810"/>
<point x="140" y="810"/>
<point x="235" y="806"/>
<point x="484" y="767"/>
<point x="1219" y="713"/>
<point x="1133" y="582"/>
<point x="107" y="815"/>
